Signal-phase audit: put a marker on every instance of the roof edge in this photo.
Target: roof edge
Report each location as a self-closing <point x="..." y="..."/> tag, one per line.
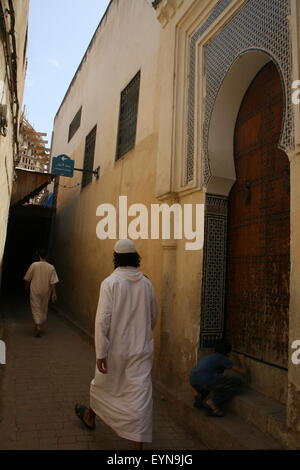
<point x="83" y="59"/>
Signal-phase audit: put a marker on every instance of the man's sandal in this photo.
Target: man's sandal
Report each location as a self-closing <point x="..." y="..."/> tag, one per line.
<point x="37" y="332"/>
<point x="216" y="412"/>
<point x="80" y="412"/>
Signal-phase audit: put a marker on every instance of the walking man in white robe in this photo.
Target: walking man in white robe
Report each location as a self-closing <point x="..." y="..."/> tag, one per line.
<point x="121" y="392"/>
<point x="41" y="279"/>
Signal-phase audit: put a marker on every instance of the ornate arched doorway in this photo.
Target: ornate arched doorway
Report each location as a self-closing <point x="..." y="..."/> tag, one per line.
<point x="258" y="255"/>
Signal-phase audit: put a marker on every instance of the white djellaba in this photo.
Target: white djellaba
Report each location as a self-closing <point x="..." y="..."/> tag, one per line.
<point x="125" y="317"/>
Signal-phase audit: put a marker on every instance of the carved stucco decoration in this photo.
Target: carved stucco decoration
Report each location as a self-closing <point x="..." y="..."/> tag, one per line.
<point x="166" y="9"/>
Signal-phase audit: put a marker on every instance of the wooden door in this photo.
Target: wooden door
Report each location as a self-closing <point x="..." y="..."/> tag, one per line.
<point x="257" y="293"/>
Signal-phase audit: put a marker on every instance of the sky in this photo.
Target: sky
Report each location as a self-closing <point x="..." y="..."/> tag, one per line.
<point x="59" y="34"/>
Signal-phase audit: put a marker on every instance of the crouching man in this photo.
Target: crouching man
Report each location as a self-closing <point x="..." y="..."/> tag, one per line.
<point x="213" y="387"/>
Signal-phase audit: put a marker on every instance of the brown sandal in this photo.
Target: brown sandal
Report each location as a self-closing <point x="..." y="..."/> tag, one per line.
<point x="213" y="411"/>
<point x="80" y="410"/>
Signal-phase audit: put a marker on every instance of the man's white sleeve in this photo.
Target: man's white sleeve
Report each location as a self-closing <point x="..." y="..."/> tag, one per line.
<point x="102" y="322"/>
<point x="53" y="277"/>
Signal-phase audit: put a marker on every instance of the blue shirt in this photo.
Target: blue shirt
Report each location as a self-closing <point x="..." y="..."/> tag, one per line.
<point x="209" y="368"/>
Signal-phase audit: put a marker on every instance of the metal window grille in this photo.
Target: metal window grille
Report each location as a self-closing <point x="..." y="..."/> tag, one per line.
<point x="75" y="124"/>
<point x="128" y="116"/>
<point x="89" y="153"/>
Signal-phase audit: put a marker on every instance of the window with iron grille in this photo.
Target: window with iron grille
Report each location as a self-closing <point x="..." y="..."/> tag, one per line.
<point x="89" y="153"/>
<point x="128" y="116"/>
<point x="75" y="124"/>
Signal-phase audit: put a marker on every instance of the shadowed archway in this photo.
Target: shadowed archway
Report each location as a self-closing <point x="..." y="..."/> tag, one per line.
<point x="223" y="177"/>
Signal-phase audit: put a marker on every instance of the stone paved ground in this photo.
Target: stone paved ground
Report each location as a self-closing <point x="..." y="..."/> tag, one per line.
<point x="42" y="380"/>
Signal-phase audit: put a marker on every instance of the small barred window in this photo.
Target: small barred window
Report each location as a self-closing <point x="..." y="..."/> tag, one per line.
<point x="128" y="117"/>
<point x="89" y="154"/>
<point x="75" y="124"/>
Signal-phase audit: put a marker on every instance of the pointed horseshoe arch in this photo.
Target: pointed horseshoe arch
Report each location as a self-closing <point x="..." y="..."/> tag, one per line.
<point x="223" y="176"/>
<point x="224" y="115"/>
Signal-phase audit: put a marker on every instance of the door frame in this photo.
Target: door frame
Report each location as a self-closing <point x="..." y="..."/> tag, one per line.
<point x="218" y="187"/>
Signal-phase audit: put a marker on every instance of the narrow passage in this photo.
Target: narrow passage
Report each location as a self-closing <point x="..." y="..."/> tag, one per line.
<point x="42" y="380"/>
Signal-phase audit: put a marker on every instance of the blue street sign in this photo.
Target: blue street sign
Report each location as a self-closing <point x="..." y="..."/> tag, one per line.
<point x="62" y="165"/>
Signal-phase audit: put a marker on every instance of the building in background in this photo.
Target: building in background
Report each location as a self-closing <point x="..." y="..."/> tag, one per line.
<point x="190" y="101"/>
<point x="32" y="207"/>
<point x="13" y="37"/>
<point x="26" y="188"/>
<point x="34" y="154"/>
<point x="34" y="159"/>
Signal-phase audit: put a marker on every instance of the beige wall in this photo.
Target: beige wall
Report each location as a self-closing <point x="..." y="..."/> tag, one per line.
<point x="126" y="42"/>
<point x="7" y="148"/>
<point x="293" y="415"/>
<point x="180" y="307"/>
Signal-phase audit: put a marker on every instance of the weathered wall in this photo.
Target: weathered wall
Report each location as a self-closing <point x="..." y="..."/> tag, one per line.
<point x="293" y="403"/>
<point x="7" y="148"/>
<point x="180" y="307"/>
<point x="178" y="20"/>
<point x="126" y="42"/>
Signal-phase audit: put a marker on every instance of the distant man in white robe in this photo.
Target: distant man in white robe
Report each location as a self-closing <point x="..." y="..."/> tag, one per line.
<point x="121" y="392"/>
<point x="41" y="279"/>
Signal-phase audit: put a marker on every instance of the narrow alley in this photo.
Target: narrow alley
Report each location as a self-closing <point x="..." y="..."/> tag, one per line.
<point x="149" y="167"/>
<point x="43" y="379"/>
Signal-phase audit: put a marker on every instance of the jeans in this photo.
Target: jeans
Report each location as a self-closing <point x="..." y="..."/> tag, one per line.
<point x="222" y="389"/>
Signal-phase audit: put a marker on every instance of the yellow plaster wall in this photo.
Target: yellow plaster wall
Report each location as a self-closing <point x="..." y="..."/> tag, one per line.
<point x="180" y="312"/>
<point x="116" y="55"/>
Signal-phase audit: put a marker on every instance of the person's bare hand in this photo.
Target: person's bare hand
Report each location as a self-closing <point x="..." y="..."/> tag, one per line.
<point x="102" y="365"/>
<point x="53" y="298"/>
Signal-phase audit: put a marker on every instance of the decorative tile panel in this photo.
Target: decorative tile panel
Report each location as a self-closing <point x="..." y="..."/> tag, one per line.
<point x="259" y="25"/>
<point x="214" y="276"/>
<point x="216" y="12"/>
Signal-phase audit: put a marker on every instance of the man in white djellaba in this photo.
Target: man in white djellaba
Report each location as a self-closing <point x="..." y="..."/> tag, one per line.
<point x="121" y="392"/>
<point x="41" y="279"/>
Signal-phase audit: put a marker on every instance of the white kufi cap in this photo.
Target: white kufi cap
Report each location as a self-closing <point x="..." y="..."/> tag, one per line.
<point x="124" y="246"/>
